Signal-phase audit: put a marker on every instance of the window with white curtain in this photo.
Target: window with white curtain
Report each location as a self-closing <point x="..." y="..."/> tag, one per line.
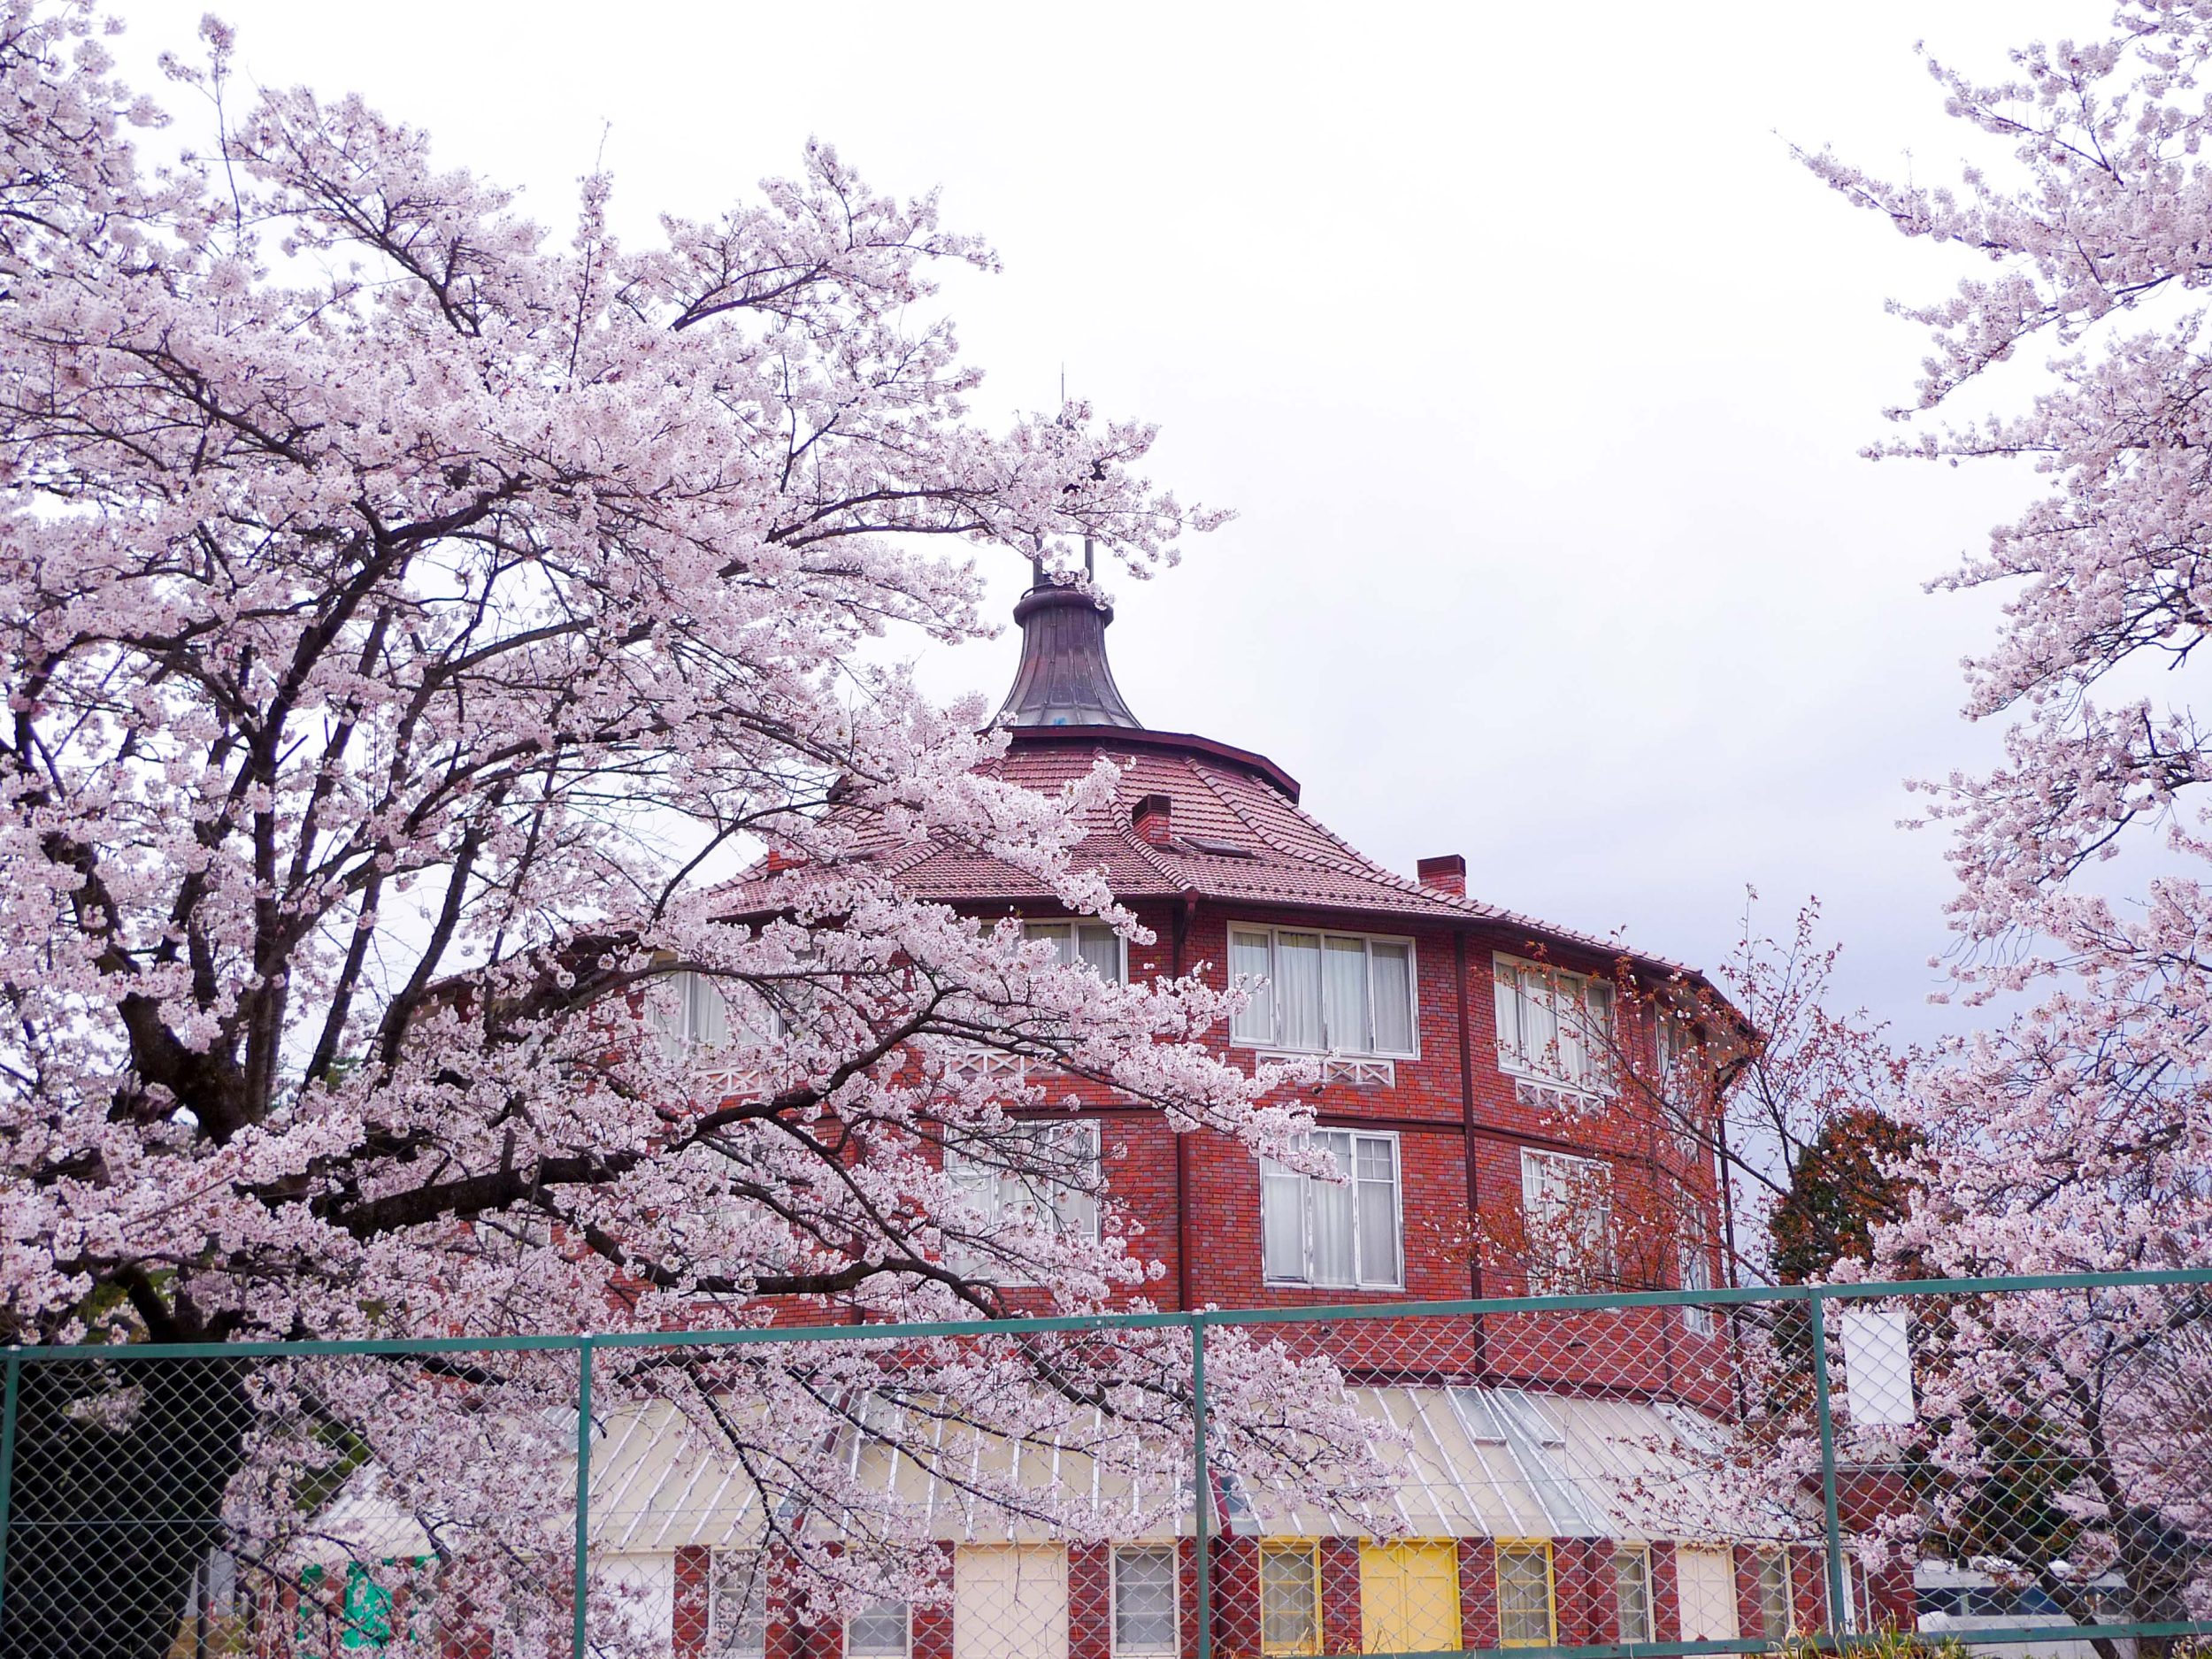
<point x="1093" y="944"/>
<point x="1697" y="1274"/>
<point x="1030" y="1194"/>
<point x="1341" y="1234"/>
<point x="1528" y="1609"/>
<point x="1346" y="993"/>
<point x="1680" y="1084"/>
<point x="1145" y="1602"/>
<point x="1674" y="1041"/>
<point x="697" y="1012"/>
<point x="1567" y="1214"/>
<point x="1554" y="1025"/>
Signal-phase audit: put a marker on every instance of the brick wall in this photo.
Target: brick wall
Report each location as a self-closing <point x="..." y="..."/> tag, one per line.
<point x="1194" y="1201"/>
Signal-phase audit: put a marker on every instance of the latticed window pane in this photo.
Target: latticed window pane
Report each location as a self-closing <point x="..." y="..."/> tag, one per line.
<point x="1290" y="1599"/>
<point x="1774" y="1594"/>
<point x="1567" y="1214"/>
<point x="1031" y="1195"/>
<point x="1524" y="1607"/>
<point x="1632" y="1591"/>
<point x="1144" y="1600"/>
<point x="737" y="1618"/>
<point x="877" y="1632"/>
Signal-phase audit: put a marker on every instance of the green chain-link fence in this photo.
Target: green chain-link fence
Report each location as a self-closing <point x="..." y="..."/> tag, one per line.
<point x="2022" y="1463"/>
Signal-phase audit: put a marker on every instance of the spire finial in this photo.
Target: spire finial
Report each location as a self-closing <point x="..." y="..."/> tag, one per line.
<point x="1064" y="678"/>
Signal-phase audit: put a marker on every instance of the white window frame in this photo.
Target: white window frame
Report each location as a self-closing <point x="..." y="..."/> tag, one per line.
<point x="1673" y="1037"/>
<point x="1003" y="1202"/>
<point x="906" y="1645"/>
<point x="1599" y="1033"/>
<point x="1625" y="1550"/>
<point x="1858" y="1593"/>
<point x="676" y="1012"/>
<point x="1778" y="1554"/>
<point x="1242" y="1035"/>
<point x="1174" y="1601"/>
<point x="1067" y="932"/>
<point x="1544" y="1279"/>
<point x="1694" y="1267"/>
<point x="721" y="1563"/>
<point x="1281" y="1177"/>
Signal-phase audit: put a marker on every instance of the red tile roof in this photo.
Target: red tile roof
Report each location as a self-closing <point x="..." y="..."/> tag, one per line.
<point x="1239" y="837"/>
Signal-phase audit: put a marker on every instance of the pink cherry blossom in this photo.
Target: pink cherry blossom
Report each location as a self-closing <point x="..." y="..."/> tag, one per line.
<point x="400" y="606"/>
<point x="2076" y="1135"/>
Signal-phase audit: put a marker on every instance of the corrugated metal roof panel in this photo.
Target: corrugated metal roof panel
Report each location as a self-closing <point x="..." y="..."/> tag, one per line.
<point x="1468" y="1462"/>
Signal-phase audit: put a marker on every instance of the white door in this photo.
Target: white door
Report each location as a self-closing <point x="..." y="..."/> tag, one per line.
<point x="1705" y="1593"/>
<point x="1009" y="1602"/>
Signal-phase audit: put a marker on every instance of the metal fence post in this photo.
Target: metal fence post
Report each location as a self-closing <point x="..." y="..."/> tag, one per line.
<point x="7" y="1467"/>
<point x="1203" y="1484"/>
<point x="1839" y="1607"/>
<point x="583" y="1483"/>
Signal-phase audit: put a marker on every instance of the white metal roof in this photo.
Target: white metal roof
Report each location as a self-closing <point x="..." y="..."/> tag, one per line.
<point x="1469" y="1463"/>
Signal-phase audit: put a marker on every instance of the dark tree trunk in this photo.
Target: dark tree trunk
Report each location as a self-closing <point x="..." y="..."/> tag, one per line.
<point x="117" y="1497"/>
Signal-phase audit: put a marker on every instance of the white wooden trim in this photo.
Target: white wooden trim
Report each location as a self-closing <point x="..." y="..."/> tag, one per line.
<point x="1357" y="1071"/>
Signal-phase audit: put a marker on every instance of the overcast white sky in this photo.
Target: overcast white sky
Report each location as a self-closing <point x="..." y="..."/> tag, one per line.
<point x="1533" y="366"/>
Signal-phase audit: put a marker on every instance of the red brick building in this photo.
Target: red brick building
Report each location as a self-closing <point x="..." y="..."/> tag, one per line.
<point x="1475" y="1082"/>
<point x="1468" y="1049"/>
<point x="1472" y="1062"/>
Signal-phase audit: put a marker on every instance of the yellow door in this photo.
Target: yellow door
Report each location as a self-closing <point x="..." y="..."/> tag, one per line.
<point x="1409" y="1596"/>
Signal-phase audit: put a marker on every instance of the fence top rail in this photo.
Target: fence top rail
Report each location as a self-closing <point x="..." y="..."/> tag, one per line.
<point x="1216" y="1317"/>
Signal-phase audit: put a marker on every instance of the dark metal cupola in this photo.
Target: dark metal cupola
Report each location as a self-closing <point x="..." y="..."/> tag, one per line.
<point x="1064" y="678"/>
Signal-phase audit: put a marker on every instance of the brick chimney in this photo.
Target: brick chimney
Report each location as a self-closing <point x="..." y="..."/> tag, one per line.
<point x="1445" y="873"/>
<point x="1152" y="819"/>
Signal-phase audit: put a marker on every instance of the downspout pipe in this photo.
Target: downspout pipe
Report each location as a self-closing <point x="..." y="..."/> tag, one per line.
<point x="1474" y="1178"/>
<point x="1186" y="917"/>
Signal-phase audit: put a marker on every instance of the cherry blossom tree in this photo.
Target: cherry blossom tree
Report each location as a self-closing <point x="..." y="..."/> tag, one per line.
<point x="404" y="609"/>
<point x="1713" y="1095"/>
<point x="2076" y="1135"/>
